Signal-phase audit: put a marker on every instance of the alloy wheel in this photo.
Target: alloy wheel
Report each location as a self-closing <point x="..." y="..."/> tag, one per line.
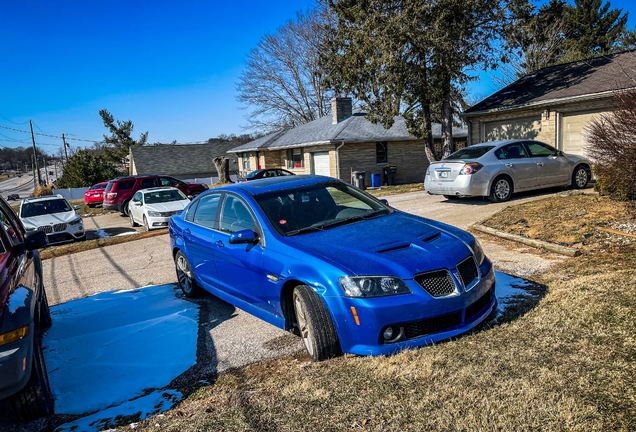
<point x="303" y="326"/>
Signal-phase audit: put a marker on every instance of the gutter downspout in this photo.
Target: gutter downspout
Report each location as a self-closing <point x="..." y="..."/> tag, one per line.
<point x="338" y="159"/>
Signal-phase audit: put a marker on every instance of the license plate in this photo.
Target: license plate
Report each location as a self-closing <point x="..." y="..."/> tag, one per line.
<point x="442" y="174"/>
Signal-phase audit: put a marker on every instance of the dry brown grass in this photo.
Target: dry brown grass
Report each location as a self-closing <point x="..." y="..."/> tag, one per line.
<point x="568" y="364"/>
<point x="397" y="189"/>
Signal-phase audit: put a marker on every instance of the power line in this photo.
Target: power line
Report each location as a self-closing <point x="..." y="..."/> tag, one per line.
<point x="50" y="136"/>
<point x="13" y="121"/>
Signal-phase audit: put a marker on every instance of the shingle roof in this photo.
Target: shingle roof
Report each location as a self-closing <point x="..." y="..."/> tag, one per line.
<point x="353" y="129"/>
<point x="179" y="159"/>
<point x="582" y="78"/>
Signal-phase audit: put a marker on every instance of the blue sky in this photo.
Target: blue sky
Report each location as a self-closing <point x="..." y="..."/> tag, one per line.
<point x="171" y="67"/>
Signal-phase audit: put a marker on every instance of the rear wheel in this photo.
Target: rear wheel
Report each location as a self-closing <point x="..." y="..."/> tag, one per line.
<point x="315" y="325"/>
<point x="35" y="399"/>
<point x="580" y="177"/>
<point x="449" y="196"/>
<point x="185" y="278"/>
<point x="501" y="189"/>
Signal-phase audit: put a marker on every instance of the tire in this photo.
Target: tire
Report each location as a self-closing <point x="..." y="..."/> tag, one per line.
<point x="91" y="205"/>
<point x="125" y="209"/>
<point x="146" y="227"/>
<point x="35" y="400"/>
<point x="185" y="278"/>
<point x="448" y="197"/>
<point x="132" y="221"/>
<point x="43" y="320"/>
<point x="501" y="189"/>
<point x="580" y="177"/>
<point x="315" y="325"/>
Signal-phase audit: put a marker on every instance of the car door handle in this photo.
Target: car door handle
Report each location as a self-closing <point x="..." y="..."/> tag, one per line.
<point x="539" y="163"/>
<point x="219" y="243"/>
<point x="509" y="165"/>
<point x="187" y="231"/>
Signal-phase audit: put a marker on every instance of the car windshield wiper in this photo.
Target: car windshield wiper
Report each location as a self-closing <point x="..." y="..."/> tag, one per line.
<point x="305" y="230"/>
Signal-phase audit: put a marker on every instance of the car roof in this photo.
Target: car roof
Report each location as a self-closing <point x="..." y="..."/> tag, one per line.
<point x="43" y="198"/>
<point x="269" y="184"/>
<point x="157" y="189"/>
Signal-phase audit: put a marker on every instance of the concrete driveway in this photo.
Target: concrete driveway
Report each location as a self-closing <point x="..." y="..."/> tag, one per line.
<point x="235" y="338"/>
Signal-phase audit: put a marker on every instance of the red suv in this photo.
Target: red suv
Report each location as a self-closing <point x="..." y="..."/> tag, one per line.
<point x="120" y="191"/>
<point x="24" y="317"/>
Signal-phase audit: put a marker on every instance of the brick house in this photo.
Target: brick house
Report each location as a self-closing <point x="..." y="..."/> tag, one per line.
<point x="554" y="104"/>
<point x="342" y="143"/>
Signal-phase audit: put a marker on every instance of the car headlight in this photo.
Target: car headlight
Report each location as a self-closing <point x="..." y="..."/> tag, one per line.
<point x="75" y="221"/>
<point x="154" y="214"/>
<point x="373" y="286"/>
<point x="478" y="252"/>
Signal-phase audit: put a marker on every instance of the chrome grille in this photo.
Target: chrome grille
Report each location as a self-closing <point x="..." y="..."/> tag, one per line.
<point x="467" y="271"/>
<point x="59" y="227"/>
<point x="438" y="283"/>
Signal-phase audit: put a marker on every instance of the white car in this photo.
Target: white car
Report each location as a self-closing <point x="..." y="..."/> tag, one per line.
<point x="153" y="207"/>
<point x="53" y="215"/>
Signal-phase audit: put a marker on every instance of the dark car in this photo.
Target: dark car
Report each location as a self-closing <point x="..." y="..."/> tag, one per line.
<point x="265" y="173"/>
<point x="335" y="265"/>
<point x="120" y="190"/>
<point x="13" y="197"/>
<point x="24" y="316"/>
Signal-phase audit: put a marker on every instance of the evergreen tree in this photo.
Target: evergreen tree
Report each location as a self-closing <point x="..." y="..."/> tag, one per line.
<point x="85" y="168"/>
<point x="120" y="140"/>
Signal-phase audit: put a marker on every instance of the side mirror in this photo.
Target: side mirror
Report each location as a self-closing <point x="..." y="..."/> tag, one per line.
<point x="190" y="197"/>
<point x="244" y="237"/>
<point x="35" y="240"/>
<point x="385" y="202"/>
<point x="76" y="207"/>
<point x="137" y="203"/>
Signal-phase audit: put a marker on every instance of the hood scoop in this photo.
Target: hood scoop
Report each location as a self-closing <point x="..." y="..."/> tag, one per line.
<point x="401" y="246"/>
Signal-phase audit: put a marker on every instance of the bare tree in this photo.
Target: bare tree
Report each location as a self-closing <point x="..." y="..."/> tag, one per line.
<point x="283" y="82"/>
<point x="222" y="165"/>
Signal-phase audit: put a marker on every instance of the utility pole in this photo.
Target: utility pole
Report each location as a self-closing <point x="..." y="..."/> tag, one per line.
<point x="46" y="170"/>
<point x="35" y="157"/>
<point x="65" y="145"/>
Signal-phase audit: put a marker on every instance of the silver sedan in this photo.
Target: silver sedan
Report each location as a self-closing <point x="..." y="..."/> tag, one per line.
<point x="499" y="168"/>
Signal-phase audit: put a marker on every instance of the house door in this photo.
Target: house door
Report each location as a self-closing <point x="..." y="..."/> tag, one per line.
<point x="321" y="164"/>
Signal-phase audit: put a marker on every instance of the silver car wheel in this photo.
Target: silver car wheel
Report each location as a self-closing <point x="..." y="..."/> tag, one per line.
<point x="581" y="178"/>
<point x="303" y="326"/>
<point x="502" y="189"/>
<point x="184" y="274"/>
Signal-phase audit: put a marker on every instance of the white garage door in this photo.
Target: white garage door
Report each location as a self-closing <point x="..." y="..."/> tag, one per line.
<point x="522" y="128"/>
<point x="321" y="164"/>
<point x="574" y="133"/>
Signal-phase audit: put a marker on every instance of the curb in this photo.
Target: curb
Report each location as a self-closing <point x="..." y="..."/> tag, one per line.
<point x="563" y="250"/>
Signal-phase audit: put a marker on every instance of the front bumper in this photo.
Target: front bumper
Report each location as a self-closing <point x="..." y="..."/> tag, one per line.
<point x="157" y="222"/>
<point x="15" y="364"/>
<point x="462" y="185"/>
<point x="421" y="318"/>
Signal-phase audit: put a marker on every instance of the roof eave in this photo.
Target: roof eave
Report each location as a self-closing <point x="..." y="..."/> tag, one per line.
<point x="544" y="103"/>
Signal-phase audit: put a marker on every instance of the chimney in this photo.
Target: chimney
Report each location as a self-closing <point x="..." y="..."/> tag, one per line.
<point x="340" y="109"/>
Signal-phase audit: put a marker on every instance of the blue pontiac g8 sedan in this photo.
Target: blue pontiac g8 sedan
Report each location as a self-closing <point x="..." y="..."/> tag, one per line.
<point x="333" y="264"/>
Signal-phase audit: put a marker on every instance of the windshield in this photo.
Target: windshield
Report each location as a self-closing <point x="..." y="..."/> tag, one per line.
<point x="473" y="152"/>
<point x="98" y="186"/>
<point x="164" y="196"/>
<point x="252" y="174"/>
<point x="317" y="207"/>
<point x="44" y="207"/>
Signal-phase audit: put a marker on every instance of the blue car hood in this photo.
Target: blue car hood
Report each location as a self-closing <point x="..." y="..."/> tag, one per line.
<point x="397" y="244"/>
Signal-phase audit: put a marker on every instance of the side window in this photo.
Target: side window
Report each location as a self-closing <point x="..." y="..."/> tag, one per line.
<point x="191" y="211"/>
<point x="147" y="183"/>
<point x="137" y="196"/>
<point x="206" y="210"/>
<point x="125" y="184"/>
<point x="511" y="151"/>
<point x="235" y="215"/>
<point x="169" y="181"/>
<point x="538" y="149"/>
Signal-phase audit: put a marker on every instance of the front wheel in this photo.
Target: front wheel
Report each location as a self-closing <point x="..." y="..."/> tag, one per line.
<point x="580" y="177"/>
<point x="35" y="399"/>
<point x="146" y="227"/>
<point x="315" y="325"/>
<point x="501" y="190"/>
<point x="132" y="221"/>
<point x="185" y="278"/>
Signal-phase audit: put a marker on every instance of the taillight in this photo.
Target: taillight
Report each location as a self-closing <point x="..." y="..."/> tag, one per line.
<point x="428" y="173"/>
<point x="470" y="168"/>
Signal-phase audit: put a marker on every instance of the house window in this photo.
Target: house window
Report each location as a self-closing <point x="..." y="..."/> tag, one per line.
<point x="245" y="161"/>
<point x="295" y="158"/>
<point x="381" y="153"/>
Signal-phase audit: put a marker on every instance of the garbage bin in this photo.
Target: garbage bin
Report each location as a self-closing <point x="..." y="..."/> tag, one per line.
<point x="358" y="179"/>
<point x="389" y="174"/>
<point x="376" y="180"/>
